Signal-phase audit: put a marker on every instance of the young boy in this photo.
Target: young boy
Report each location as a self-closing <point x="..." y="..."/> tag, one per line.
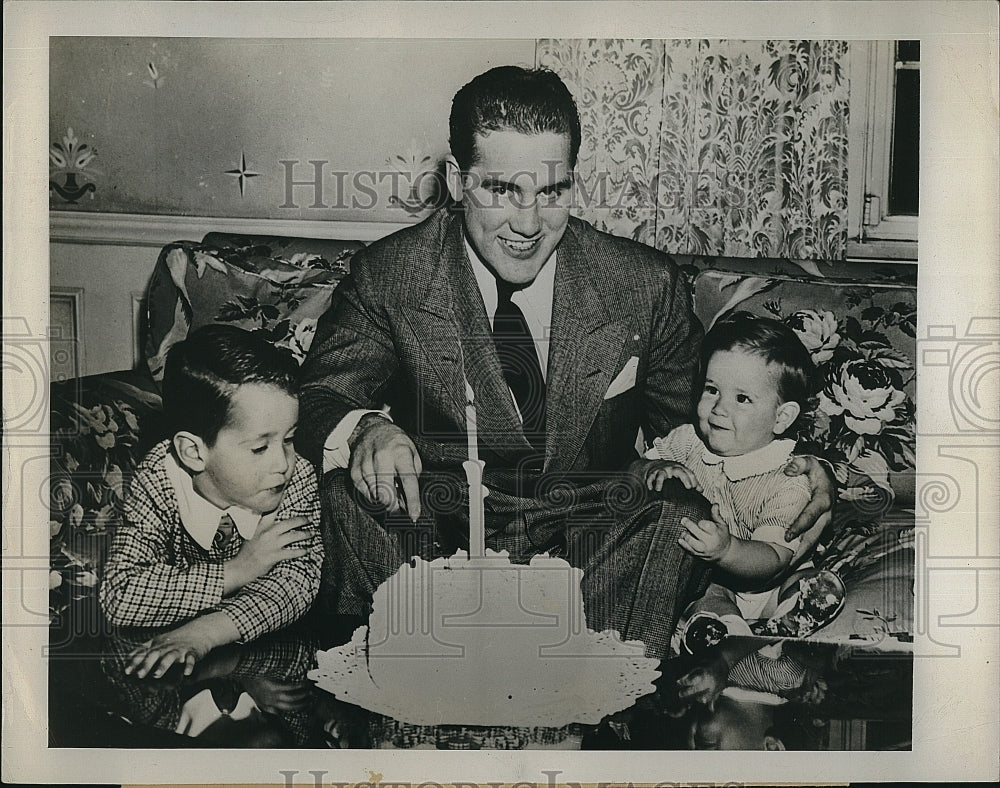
<point x="221" y="520"/>
<point x="756" y="385"/>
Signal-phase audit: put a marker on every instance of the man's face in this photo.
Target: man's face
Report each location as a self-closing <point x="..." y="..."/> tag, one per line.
<point x="516" y="198"/>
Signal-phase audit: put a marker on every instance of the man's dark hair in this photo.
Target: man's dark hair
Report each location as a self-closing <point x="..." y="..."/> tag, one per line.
<point x="203" y="372"/>
<point x="510" y="97"/>
<point x="772" y="341"/>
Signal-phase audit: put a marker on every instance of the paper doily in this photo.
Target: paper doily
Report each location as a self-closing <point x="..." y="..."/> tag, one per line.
<point x="485" y="642"/>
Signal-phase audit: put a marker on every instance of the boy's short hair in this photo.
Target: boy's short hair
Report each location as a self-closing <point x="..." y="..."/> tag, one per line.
<point x="203" y="372"/>
<point x="529" y="101"/>
<point x="772" y="341"/>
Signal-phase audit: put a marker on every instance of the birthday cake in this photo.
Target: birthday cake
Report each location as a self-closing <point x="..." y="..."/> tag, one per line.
<point x="482" y="641"/>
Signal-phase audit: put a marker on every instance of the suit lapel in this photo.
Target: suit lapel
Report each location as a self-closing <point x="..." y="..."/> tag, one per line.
<point x="585" y="352"/>
<point x="454" y="300"/>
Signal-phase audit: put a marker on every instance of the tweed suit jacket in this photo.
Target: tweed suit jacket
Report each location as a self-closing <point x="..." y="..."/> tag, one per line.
<point x="409" y="327"/>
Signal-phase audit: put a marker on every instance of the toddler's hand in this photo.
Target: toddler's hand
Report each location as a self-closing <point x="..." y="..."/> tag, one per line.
<point x="707" y="539"/>
<point x="270" y="544"/>
<point x="658" y="471"/>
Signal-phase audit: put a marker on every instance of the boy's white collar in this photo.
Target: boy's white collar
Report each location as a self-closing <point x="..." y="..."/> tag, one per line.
<point x="763" y="460"/>
<point x="200" y="517"/>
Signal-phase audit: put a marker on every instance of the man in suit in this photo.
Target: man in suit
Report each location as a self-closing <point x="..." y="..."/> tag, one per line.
<point x="570" y="341"/>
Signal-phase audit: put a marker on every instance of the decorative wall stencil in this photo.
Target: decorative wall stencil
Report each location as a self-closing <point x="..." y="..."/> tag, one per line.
<point x="242" y="174"/>
<point x="158" y="61"/>
<point x="740" y="147"/>
<point x="69" y="161"/>
<point x="155" y="77"/>
<point x="419" y="189"/>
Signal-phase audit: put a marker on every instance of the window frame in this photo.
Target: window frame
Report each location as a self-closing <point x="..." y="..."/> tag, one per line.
<point x="872" y="231"/>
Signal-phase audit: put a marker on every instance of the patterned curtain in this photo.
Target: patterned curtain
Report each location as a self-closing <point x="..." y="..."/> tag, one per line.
<point x="735" y="148"/>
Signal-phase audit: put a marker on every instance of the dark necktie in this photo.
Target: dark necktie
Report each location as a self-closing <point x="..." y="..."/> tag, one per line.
<point x="519" y="361"/>
<point x="225" y="532"/>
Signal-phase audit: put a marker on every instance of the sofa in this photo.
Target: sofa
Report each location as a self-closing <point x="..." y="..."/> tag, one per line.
<point x="858" y="321"/>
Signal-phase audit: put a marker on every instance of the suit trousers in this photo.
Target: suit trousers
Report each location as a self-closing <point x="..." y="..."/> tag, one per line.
<point x="636" y="578"/>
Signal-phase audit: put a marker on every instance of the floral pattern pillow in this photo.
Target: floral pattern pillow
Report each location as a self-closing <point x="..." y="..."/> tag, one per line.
<point x="281" y="298"/>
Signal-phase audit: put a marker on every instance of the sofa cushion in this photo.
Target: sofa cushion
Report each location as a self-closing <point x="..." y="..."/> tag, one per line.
<point x="287" y="247"/>
<point x="859" y="323"/>
<point x="277" y="291"/>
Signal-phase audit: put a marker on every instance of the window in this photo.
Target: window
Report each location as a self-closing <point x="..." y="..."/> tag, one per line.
<point x="883" y="185"/>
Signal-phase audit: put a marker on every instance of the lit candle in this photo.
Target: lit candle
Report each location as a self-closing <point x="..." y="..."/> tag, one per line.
<point x="474" y="476"/>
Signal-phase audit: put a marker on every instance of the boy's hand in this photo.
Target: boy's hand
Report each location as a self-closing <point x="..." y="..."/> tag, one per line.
<point x="185" y="645"/>
<point x="270" y="544"/>
<point x="658" y="471"/>
<point x="707" y="539"/>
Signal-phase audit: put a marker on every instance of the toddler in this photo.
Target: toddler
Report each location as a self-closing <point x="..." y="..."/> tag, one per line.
<point x="221" y="520"/>
<point x="756" y="376"/>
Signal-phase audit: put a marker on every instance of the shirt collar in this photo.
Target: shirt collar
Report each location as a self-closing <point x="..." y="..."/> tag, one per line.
<point x="763" y="460"/>
<point x="199" y="516"/>
<point x="537" y="295"/>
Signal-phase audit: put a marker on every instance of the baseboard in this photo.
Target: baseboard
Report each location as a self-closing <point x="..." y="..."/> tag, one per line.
<point x="132" y="229"/>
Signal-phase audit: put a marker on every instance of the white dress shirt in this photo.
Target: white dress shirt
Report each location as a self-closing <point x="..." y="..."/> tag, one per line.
<point x="199" y="516"/>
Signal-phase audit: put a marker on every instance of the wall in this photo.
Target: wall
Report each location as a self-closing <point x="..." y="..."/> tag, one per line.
<point x="109" y="278"/>
<point x="148" y="135"/>
<point x="175" y="121"/>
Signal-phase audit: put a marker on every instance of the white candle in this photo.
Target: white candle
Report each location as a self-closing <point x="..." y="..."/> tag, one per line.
<point x="470" y="423"/>
<point x="474" y="476"/>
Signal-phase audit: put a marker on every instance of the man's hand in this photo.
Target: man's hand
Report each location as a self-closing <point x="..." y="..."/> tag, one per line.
<point x="707" y="539"/>
<point x="270" y="544"/>
<point x="658" y="471"/>
<point x="185" y="645"/>
<point x="381" y="453"/>
<point x="824" y="490"/>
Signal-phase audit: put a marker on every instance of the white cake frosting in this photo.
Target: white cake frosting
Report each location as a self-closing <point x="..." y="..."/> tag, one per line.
<point x="485" y="642"/>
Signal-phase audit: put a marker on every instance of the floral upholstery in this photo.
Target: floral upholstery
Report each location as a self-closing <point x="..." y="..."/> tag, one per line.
<point x="857" y="320"/>
<point x="101" y="426"/>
